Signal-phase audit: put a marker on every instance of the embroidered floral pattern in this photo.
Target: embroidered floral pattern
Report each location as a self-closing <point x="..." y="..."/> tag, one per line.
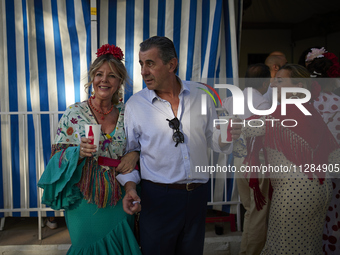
<point x="69" y="131"/>
<point x="60" y="147"/>
<point x="97" y="182"/>
<point x="77" y="116"/>
<point x="74" y="121"/>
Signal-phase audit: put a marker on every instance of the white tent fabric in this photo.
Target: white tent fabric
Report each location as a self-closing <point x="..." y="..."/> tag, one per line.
<point x="45" y="52"/>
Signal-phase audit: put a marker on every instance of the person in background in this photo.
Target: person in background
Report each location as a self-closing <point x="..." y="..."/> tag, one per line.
<point x="274" y="61"/>
<point x="164" y="122"/>
<point x="74" y="179"/>
<point x="300" y="197"/>
<point x="51" y="223"/>
<point x="325" y="69"/>
<point x="255" y="223"/>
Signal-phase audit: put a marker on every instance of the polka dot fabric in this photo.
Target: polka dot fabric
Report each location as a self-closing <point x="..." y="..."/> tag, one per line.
<point x="297" y="211"/>
<point x="298" y="207"/>
<point x="328" y="104"/>
<point x="331" y="233"/>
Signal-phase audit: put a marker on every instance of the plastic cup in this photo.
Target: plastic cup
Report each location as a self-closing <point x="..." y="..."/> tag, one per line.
<point x="95" y="134"/>
<point x="225" y="133"/>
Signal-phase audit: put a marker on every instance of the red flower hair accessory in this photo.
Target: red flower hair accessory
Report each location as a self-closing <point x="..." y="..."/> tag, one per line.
<point x="334" y="70"/>
<point x="110" y="49"/>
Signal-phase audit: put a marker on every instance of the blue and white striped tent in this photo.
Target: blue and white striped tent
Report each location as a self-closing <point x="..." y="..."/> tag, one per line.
<point x="45" y="52"/>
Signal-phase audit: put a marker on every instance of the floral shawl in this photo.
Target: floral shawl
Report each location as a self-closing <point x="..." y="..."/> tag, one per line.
<point x="98" y="183"/>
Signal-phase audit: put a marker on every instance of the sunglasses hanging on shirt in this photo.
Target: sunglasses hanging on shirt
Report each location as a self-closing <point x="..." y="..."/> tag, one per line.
<point x="178" y="136"/>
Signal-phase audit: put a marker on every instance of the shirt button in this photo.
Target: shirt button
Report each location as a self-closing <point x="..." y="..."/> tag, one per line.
<point x="186" y="157"/>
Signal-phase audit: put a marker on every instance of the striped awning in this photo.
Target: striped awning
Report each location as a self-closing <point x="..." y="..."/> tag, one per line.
<point x="45" y="52"/>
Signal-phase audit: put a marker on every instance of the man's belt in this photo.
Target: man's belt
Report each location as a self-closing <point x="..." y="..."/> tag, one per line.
<point x="187" y="186"/>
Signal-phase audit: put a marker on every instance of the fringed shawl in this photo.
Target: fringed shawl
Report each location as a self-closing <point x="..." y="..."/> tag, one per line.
<point x="98" y="184"/>
<point x="309" y="142"/>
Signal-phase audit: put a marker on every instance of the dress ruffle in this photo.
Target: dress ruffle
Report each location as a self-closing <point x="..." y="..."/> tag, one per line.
<point x="60" y="191"/>
<point x="119" y="241"/>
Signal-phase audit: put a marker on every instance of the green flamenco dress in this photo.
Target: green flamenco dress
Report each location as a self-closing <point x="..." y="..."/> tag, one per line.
<point x="90" y="195"/>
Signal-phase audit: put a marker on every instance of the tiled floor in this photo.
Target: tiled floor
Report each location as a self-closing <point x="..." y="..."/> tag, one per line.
<point x="23" y="232"/>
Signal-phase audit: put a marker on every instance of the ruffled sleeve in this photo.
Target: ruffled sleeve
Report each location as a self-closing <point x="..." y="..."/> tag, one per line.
<point x="59" y="179"/>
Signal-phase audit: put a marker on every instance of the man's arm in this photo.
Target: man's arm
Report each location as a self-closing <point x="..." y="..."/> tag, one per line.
<point x="131" y="201"/>
<point x="132" y="148"/>
<point x="134" y="176"/>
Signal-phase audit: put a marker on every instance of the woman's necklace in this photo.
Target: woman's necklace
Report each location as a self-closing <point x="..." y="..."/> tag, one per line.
<point x="99" y="111"/>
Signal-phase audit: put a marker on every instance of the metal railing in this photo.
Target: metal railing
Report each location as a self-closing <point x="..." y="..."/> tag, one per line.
<point x="40" y="166"/>
<point x="7" y="166"/>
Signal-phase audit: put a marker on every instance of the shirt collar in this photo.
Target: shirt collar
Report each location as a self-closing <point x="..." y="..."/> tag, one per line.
<point x="184" y="88"/>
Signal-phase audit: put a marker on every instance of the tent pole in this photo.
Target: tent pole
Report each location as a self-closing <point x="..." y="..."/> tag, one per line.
<point x="233" y="41"/>
<point x="94" y="45"/>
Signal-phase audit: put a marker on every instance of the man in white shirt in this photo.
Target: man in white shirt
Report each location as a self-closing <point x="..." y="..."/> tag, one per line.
<point x="164" y="122"/>
<point x="257" y="79"/>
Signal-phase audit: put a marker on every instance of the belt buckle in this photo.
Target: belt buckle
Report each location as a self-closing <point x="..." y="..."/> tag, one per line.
<point x="188" y="188"/>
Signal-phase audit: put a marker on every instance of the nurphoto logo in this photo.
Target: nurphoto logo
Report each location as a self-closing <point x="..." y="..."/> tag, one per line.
<point x="238" y="104"/>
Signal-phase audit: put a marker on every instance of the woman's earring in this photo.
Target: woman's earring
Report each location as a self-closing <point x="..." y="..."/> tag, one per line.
<point x="93" y="95"/>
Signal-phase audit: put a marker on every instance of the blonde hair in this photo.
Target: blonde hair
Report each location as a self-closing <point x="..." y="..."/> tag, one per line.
<point x="298" y="74"/>
<point x="120" y="67"/>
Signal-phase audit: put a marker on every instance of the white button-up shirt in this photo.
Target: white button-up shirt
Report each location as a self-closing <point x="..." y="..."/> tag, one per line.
<point x="148" y="131"/>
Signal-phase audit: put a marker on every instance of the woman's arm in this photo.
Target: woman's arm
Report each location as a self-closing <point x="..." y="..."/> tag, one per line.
<point x="128" y="162"/>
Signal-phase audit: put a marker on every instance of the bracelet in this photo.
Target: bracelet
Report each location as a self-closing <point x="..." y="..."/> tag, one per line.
<point x="80" y="149"/>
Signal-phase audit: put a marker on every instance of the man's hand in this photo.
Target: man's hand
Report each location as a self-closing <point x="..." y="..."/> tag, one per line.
<point x="131" y="201"/>
<point x="236" y="129"/>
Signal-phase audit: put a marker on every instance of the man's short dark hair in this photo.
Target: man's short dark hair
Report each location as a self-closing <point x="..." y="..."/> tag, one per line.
<point x="165" y="46"/>
<point x="256" y="75"/>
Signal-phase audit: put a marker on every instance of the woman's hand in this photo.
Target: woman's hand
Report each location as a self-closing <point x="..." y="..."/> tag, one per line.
<point x="128" y="162"/>
<point x="86" y="149"/>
